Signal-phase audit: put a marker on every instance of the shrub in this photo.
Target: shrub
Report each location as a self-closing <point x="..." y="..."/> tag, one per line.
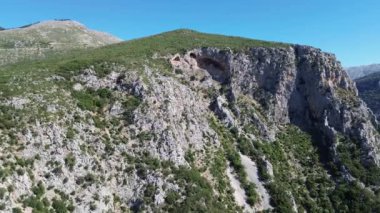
<point x="70" y="133"/>
<point x="10" y="188"/>
<point x="70" y="161"/>
<point x="172" y="197"/>
<point x="39" y="190"/>
<point x="35" y="203"/>
<point x="92" y="100"/>
<point x="16" y="210"/>
<point x="93" y="206"/>
<point x="145" y="136"/>
<point x="130" y="105"/>
<point x="62" y="206"/>
<point x="2" y="193"/>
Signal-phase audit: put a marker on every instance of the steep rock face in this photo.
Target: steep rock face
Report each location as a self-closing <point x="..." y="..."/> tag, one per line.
<point x="299" y="85"/>
<point x="132" y="126"/>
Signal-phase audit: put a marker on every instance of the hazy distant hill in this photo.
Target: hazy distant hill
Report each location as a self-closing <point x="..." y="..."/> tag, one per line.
<point x="367" y="80"/>
<point x="369" y="91"/>
<point x="360" y="71"/>
<point x="39" y="39"/>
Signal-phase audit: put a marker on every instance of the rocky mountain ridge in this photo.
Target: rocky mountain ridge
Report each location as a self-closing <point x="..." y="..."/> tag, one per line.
<point x="187" y="121"/>
<point x="361" y="71"/>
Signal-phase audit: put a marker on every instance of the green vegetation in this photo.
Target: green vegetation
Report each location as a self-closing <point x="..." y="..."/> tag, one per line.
<point x="62" y="205"/>
<point x="172" y="197"/>
<point x="130" y="105"/>
<point x="298" y="175"/>
<point x="350" y="157"/>
<point x="227" y="139"/>
<point x="70" y="161"/>
<point x="145" y="136"/>
<point x="348" y="97"/>
<point x="2" y="193"/>
<point x="93" y="100"/>
<point x="196" y="193"/>
<point x="7" y="117"/>
<point x="131" y="54"/>
<point x="37" y="204"/>
<point x="297" y="172"/>
<point x="369" y="91"/>
<point x="39" y="190"/>
<point x="86" y="180"/>
<point x="36" y="201"/>
<point x="16" y="210"/>
<point x="199" y="196"/>
<point x="70" y="134"/>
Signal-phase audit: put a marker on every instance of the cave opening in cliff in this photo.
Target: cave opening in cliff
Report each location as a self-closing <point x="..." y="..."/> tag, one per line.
<point x="216" y="69"/>
<point x="192" y="55"/>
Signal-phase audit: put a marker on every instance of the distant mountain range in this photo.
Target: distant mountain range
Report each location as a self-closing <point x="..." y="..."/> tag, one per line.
<point x="360" y="71"/>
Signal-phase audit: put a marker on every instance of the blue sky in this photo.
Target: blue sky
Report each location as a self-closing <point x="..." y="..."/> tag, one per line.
<point x="348" y="28"/>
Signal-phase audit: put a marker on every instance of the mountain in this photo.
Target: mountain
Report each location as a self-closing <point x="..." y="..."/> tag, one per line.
<point x="367" y="79"/>
<point x="41" y="39"/>
<point x="186" y="121"/>
<point x="369" y="90"/>
<point x="361" y="71"/>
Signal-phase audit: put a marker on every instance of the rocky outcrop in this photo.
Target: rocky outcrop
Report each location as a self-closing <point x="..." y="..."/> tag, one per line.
<point x="138" y="134"/>
<point x="300" y="85"/>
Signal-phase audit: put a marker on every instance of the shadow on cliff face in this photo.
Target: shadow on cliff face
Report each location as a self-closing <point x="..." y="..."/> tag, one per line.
<point x="300" y="114"/>
<point x="216" y="69"/>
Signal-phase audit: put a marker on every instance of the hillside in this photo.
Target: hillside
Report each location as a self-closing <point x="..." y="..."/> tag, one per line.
<point x="369" y="90"/>
<point x="186" y="122"/>
<point x="361" y="71"/>
<point x="44" y="38"/>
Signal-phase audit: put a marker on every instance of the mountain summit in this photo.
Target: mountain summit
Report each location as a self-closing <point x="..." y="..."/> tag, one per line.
<point x="185" y="121"/>
<point x="43" y="38"/>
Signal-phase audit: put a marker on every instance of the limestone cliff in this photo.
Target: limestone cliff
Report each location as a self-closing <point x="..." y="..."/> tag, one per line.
<point x="186" y="121"/>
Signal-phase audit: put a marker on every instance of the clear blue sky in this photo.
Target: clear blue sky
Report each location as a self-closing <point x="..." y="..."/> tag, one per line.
<point x="348" y="28"/>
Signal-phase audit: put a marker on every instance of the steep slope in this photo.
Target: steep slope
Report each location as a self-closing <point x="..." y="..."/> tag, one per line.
<point x="361" y="71"/>
<point x="177" y="121"/>
<point x="43" y="38"/>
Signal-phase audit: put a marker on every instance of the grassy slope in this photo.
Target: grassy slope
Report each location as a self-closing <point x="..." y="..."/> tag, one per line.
<point x="133" y="54"/>
<point x="38" y="41"/>
<point x="65" y="35"/>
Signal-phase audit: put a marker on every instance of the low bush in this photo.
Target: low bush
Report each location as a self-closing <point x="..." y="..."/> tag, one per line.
<point x="70" y="161"/>
<point x="130" y="105"/>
